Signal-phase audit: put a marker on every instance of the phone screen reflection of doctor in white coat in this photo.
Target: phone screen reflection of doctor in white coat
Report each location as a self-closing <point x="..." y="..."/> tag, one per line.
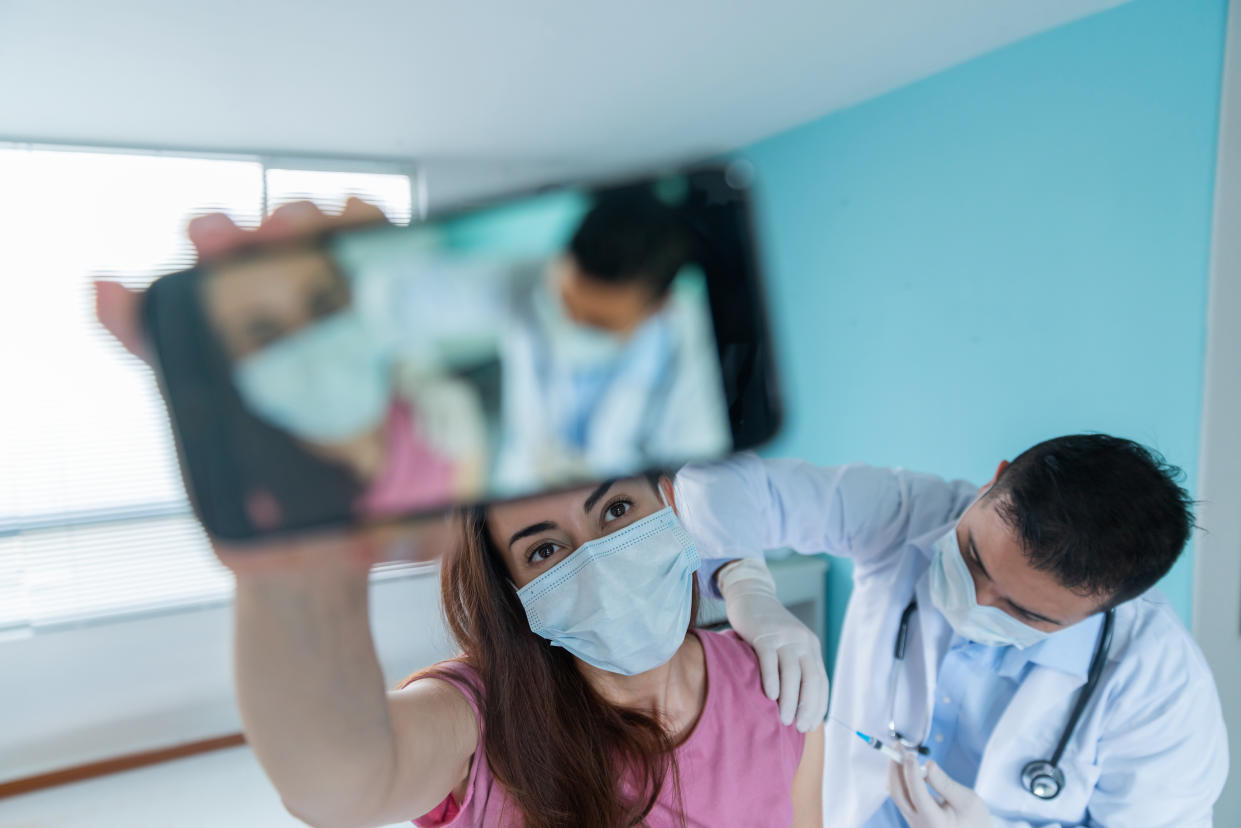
<point x="1005" y="591"/>
<point x="615" y="368"/>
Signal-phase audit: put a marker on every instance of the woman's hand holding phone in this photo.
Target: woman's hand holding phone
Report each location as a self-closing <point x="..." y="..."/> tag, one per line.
<point x="214" y="236"/>
<point x="309" y="685"/>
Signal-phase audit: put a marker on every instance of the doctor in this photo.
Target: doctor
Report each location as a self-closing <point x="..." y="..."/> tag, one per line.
<point x="980" y="620"/>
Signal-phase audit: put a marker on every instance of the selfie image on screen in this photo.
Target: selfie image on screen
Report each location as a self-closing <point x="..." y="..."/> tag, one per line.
<point x="559" y="338"/>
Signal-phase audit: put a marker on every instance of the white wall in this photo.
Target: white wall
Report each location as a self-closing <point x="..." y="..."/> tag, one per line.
<point x="94" y="692"/>
<point x="1217" y="588"/>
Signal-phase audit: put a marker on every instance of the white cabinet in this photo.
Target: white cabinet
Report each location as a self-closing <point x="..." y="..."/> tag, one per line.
<point x="801" y="584"/>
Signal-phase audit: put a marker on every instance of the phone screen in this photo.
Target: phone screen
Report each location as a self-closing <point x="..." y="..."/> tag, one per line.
<point x="574" y="335"/>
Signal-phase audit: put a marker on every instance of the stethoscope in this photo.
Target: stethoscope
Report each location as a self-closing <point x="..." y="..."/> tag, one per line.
<point x="1041" y="777"/>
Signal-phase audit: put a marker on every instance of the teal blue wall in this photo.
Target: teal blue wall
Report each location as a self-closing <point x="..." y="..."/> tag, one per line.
<point x="540" y="225"/>
<point x="1010" y="250"/>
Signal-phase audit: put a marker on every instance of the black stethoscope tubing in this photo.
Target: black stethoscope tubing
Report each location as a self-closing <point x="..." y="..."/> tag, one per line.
<point x="1041" y="777"/>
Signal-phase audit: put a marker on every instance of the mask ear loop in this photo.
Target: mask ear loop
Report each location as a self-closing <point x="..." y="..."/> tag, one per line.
<point x="663" y="497"/>
<point x="973" y="503"/>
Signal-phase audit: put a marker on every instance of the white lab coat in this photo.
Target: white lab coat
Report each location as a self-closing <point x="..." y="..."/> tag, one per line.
<point x="1150" y="748"/>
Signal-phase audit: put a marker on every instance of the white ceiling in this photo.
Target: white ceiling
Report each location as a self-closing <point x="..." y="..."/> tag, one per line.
<point x="588" y="83"/>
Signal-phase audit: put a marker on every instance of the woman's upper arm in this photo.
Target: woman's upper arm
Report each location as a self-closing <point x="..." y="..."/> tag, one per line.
<point x="436" y="736"/>
<point x="808" y="783"/>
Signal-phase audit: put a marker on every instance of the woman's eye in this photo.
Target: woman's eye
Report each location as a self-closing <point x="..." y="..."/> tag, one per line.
<point x="542" y="552"/>
<point x="617" y="510"/>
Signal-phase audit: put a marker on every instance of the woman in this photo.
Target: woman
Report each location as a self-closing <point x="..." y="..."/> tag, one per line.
<point x="582" y="696"/>
<point x="600" y="740"/>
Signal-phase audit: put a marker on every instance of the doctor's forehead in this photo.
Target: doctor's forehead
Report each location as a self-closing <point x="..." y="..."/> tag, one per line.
<point x="999" y="549"/>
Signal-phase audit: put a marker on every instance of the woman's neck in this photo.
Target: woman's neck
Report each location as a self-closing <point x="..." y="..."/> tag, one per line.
<point x="674" y="692"/>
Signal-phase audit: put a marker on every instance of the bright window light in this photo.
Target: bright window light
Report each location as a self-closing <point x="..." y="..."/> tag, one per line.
<point x="94" y="520"/>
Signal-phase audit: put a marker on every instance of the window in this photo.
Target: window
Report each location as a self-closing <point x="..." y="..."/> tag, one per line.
<point x="94" y="520"/>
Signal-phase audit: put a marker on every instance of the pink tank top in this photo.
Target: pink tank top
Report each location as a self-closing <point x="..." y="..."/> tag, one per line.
<point x="736" y="767"/>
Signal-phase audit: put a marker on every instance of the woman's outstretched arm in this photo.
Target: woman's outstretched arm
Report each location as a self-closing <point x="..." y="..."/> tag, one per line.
<point x="340" y="749"/>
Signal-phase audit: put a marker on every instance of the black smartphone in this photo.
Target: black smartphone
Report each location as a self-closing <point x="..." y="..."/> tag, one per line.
<point x="529" y="344"/>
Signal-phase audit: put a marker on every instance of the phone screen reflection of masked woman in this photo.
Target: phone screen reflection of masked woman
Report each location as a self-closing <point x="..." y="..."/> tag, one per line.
<point x="302" y="361"/>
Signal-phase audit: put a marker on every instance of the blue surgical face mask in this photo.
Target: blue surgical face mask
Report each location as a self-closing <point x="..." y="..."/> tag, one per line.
<point x="952" y="592"/>
<point x="622" y="602"/>
<point x="326" y="383"/>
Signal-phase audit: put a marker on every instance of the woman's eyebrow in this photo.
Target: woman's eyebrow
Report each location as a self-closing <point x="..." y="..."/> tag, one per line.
<point x="532" y="529"/>
<point x="596" y="494"/>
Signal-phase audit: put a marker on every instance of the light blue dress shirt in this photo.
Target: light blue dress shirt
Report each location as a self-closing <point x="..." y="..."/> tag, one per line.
<point x="975" y="685"/>
<point x="647" y="357"/>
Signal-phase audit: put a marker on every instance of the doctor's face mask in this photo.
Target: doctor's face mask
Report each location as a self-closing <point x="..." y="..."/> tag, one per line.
<point x="606" y="573"/>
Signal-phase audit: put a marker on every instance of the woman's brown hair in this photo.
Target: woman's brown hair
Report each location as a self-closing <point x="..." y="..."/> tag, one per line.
<point x="565" y="756"/>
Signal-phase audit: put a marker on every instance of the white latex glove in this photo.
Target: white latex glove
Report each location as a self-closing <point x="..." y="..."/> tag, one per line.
<point x="960" y="807"/>
<point x="790" y="657"/>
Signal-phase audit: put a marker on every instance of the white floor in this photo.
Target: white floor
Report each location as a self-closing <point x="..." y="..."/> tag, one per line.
<point x="224" y="788"/>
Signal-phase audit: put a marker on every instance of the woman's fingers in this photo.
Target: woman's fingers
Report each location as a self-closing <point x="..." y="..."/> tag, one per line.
<point x="117" y="309"/>
<point x="214" y="234"/>
<point x="293" y="220"/>
<point x="358" y="211"/>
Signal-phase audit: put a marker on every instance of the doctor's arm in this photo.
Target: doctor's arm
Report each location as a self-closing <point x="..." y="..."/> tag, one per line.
<point x="745" y="505"/>
<point x="738" y="508"/>
<point x="1164" y="758"/>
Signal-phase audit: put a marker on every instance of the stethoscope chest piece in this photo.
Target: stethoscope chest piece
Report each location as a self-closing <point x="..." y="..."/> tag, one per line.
<point x="1043" y="779"/>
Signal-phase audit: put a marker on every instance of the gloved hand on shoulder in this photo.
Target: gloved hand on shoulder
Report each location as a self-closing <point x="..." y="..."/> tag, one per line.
<point x="790" y="656"/>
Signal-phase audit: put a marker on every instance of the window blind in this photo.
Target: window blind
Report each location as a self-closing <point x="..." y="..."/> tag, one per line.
<point x="94" y="521"/>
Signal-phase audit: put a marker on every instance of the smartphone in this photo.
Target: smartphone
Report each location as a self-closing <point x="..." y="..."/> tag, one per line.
<point x="525" y="345"/>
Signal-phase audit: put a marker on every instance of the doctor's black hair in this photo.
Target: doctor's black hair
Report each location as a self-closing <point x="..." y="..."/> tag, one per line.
<point x="1105" y="515"/>
<point x="630" y="235"/>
